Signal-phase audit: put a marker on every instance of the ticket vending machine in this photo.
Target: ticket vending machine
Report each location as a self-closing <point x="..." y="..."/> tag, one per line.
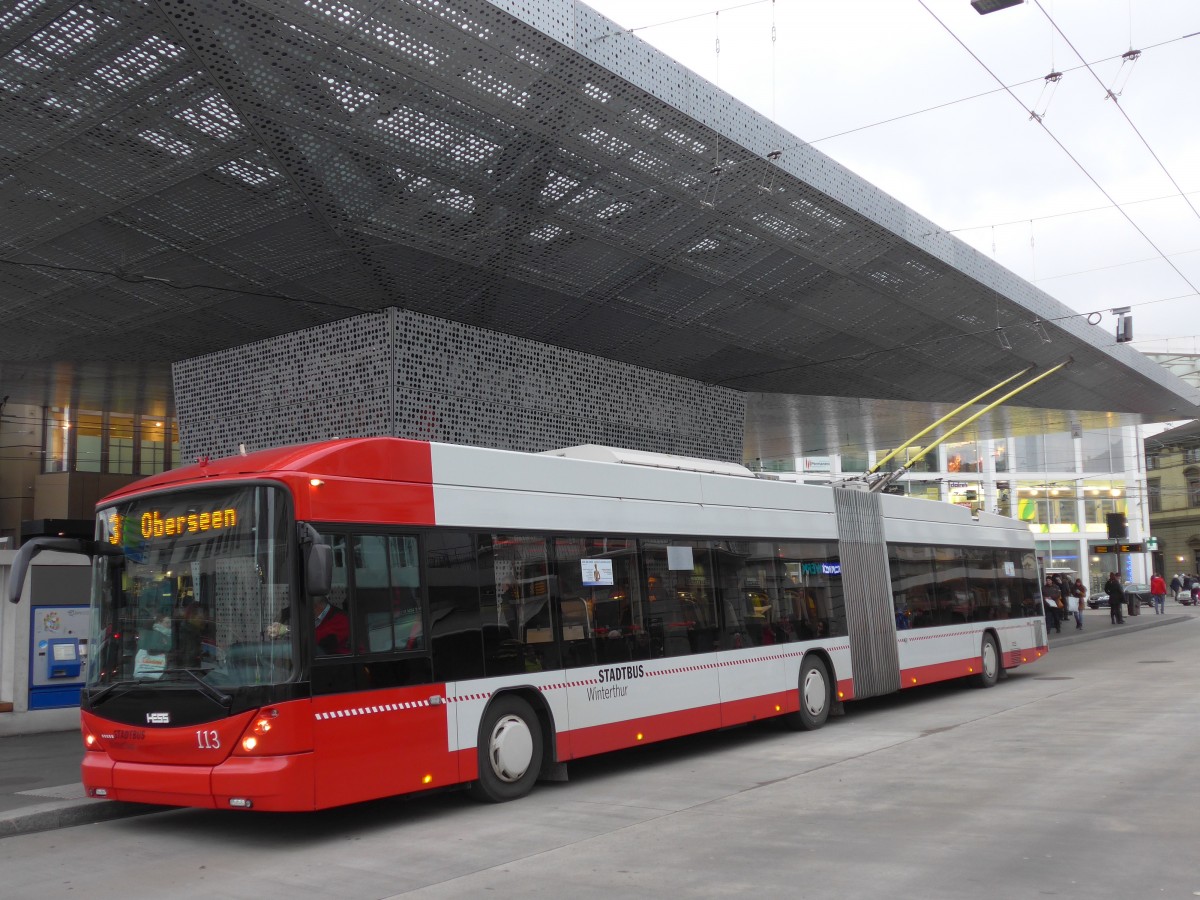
<point x="58" y="655"/>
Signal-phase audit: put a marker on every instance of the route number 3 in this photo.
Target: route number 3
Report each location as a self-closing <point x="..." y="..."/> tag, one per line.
<point x="208" y="740"/>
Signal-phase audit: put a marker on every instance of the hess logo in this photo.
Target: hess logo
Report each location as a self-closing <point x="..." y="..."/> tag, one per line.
<point x="158" y="718"/>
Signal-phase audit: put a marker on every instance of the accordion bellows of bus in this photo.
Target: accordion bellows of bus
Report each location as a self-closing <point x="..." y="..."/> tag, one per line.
<point x="317" y="625"/>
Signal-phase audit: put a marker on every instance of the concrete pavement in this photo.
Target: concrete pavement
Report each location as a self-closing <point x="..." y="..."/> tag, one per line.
<point x="40" y="787"/>
<point x="39" y="773"/>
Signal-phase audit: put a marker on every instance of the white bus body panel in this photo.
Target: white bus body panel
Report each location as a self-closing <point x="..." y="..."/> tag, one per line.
<point x="497" y="490"/>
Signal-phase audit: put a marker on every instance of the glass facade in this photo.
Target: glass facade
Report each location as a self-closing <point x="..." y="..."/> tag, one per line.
<point x="1102" y="451"/>
<point x="113" y="443"/>
<point x="1061" y="485"/>
<point x="964" y="457"/>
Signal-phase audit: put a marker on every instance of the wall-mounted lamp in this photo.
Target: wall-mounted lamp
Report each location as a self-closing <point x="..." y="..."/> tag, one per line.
<point x="1124" y="325"/>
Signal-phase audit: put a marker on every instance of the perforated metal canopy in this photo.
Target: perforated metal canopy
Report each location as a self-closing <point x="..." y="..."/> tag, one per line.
<point x="181" y="176"/>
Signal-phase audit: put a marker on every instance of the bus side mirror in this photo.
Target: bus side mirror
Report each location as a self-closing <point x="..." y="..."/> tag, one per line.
<point x="318" y="575"/>
<point x="34" y="546"/>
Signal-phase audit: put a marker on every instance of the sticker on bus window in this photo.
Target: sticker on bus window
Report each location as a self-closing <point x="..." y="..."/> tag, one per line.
<point x="1009" y="569"/>
<point x="596" y="572"/>
<point x="679" y="559"/>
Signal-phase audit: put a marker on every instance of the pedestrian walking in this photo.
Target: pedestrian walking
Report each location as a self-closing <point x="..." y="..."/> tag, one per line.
<point x="1158" y="593"/>
<point x="1116" y="597"/>
<point x="1073" y="608"/>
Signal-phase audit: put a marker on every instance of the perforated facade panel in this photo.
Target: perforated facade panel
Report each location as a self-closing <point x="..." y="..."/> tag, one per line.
<point x="184" y="176"/>
<point x="409" y="375"/>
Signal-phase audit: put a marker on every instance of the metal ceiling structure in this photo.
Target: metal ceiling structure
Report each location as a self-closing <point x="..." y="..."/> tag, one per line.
<point x="183" y="176"/>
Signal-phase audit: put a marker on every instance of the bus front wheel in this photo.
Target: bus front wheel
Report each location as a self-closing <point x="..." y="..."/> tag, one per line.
<point x="510" y="750"/>
<point x="815" y="695"/>
<point x="989" y="663"/>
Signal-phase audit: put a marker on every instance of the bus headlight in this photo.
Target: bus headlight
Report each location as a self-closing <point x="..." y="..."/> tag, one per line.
<point x="258" y="729"/>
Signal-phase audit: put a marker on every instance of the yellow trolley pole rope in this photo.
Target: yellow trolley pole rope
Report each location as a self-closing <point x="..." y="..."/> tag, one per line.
<point x="916" y="437"/>
<point x="894" y="475"/>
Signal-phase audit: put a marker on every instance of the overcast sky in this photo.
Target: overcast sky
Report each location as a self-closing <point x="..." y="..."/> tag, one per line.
<point x="960" y="150"/>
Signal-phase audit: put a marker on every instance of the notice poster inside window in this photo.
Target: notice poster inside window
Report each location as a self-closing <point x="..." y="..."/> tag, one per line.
<point x="596" y="572"/>
<point x="679" y="559"/>
<point x="1009" y="569"/>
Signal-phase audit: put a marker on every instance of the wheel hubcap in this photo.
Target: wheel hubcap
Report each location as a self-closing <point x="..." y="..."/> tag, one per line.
<point x="814" y="692"/>
<point x="989" y="659"/>
<point x="511" y="748"/>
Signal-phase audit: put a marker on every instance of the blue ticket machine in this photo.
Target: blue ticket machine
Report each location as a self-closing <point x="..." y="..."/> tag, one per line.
<point x="58" y="655"/>
<point x="63" y="658"/>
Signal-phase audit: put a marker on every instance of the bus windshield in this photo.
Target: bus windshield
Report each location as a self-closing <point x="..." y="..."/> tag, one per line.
<point x="202" y="577"/>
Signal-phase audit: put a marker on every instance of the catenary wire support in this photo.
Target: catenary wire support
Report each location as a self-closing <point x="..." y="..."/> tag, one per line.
<point x="1128" y="60"/>
<point x="1042" y="106"/>
<point x="710" y="189"/>
<point x="714" y="174"/>
<point x="769" y="188"/>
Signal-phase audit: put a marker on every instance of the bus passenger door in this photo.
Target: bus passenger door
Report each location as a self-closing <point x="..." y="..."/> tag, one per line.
<point x="380" y="722"/>
<point x="680" y="620"/>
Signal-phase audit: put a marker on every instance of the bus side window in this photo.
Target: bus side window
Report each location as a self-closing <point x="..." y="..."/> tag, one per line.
<point x="518" y="631"/>
<point x="339" y="590"/>
<point x="680" y="611"/>
<point x="407" y="618"/>
<point x="387" y="600"/>
<point x="598" y="601"/>
<point x="453" y="568"/>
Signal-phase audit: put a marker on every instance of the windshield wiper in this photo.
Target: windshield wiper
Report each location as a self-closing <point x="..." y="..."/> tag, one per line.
<point x="205" y="688"/>
<point x="97" y="696"/>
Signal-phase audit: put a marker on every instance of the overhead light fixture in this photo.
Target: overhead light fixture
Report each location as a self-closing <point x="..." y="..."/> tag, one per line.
<point x="983" y="7"/>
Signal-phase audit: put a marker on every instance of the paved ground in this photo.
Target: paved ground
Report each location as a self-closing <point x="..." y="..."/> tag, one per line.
<point x="39" y="773"/>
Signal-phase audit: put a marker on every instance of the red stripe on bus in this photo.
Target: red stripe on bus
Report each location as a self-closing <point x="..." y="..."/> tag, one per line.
<point x="943" y="671"/>
<point x="739" y="712"/>
<point x="644" y="730"/>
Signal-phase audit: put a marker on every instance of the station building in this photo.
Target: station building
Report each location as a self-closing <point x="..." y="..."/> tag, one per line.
<point x="503" y="223"/>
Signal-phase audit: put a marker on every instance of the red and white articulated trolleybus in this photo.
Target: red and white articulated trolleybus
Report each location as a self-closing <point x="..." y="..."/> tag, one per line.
<point x="317" y="625"/>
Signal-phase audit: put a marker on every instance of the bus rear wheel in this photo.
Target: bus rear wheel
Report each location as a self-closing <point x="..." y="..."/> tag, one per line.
<point x="815" y="696"/>
<point x="510" y="750"/>
<point x="989" y="663"/>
